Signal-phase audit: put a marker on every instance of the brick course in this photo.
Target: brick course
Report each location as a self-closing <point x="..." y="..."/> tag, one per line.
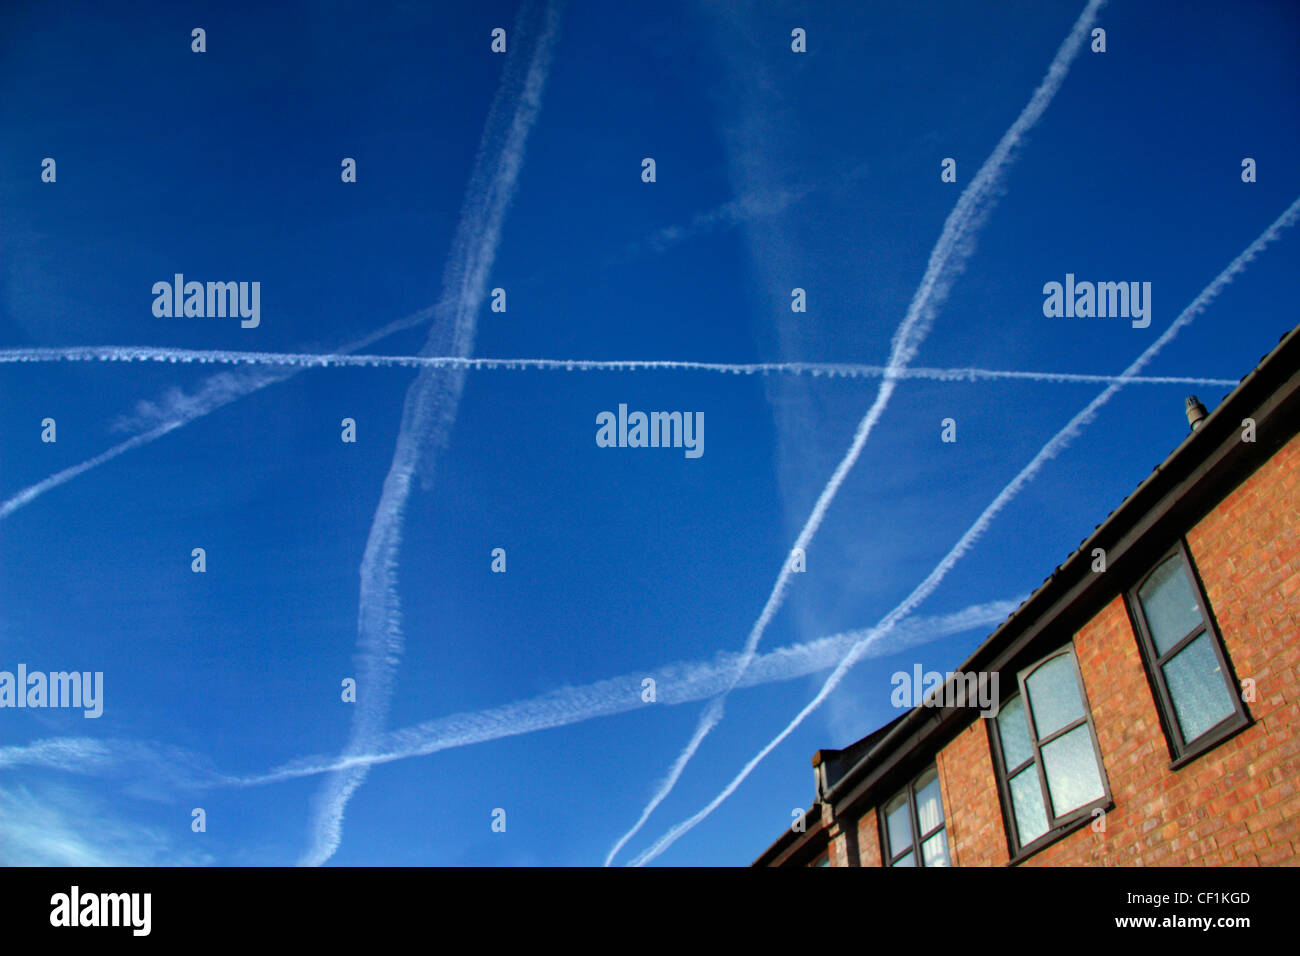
<point x="1237" y="804"/>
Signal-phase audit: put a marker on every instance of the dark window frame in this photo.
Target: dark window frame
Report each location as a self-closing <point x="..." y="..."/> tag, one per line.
<point x="1181" y="751"/>
<point x="887" y="857"/>
<point x="1058" y="826"/>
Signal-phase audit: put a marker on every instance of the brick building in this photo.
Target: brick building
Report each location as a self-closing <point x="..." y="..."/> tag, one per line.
<point x="1149" y="711"/>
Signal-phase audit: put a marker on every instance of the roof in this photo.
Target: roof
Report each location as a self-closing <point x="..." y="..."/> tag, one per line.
<point x="1196" y="476"/>
<point x="793" y="848"/>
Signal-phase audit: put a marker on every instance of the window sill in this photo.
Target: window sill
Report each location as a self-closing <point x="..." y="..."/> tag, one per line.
<point x="1062" y="830"/>
<point x="1211" y="740"/>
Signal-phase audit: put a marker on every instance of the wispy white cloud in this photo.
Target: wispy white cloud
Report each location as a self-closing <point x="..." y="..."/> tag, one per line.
<point x="145" y="770"/>
<point x="951" y="252"/>
<point x="1055" y="445"/>
<point x="752" y="206"/>
<point x="79" y="754"/>
<point x="57" y="826"/>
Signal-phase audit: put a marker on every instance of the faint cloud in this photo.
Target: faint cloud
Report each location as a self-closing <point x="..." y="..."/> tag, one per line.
<point x="759" y="204"/>
<point x="751" y="206"/>
<point x="148" y="771"/>
<point x="62" y="827"/>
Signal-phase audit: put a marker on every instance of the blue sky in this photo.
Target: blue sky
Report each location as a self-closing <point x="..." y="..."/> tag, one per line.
<point x="775" y="170"/>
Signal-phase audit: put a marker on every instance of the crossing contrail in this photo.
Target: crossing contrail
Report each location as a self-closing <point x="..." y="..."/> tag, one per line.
<point x="949" y="256"/>
<point x="304" y="360"/>
<point x="1054" y="447"/>
<point x="215" y="392"/>
<point x="427" y="418"/>
<point x="677" y="683"/>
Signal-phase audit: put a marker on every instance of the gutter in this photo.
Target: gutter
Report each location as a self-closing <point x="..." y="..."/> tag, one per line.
<point x="1202" y="464"/>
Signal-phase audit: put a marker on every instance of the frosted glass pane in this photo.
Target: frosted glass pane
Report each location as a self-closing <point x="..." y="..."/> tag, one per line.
<point x="934" y="851"/>
<point x="1014" y="731"/>
<point x="898" y="821"/>
<point x="1197" y="686"/>
<point x="1169" y="604"/>
<point x="1071" y="767"/>
<point x="929" y="805"/>
<point x="1027" y="801"/>
<point x="1054" y="695"/>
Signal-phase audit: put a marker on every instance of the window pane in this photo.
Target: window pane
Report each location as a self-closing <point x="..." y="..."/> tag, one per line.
<point x="907" y="860"/>
<point x="1070" y="764"/>
<point x="898" y="822"/>
<point x="934" y="851"/>
<point x="929" y="805"/>
<point x="1199" y="688"/>
<point x="1014" y="731"/>
<point x="1169" y="604"/>
<point x="1027" y="801"/>
<point x="1054" y="695"/>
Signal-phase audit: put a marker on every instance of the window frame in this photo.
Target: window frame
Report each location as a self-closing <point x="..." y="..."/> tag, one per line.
<point x="888" y="858"/>
<point x="1060" y="825"/>
<point x="1181" y="751"/>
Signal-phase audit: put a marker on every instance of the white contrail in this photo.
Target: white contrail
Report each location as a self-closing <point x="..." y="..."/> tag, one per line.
<point x="302" y="360"/>
<point x="677" y="683"/>
<point x="215" y="392"/>
<point x="221" y="390"/>
<point x="427" y="418"/>
<point x="1054" y="447"/>
<point x="947" y="259"/>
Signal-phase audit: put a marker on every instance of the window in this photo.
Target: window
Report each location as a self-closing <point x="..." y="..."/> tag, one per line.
<point x="823" y="860"/>
<point x="914" y="818"/>
<point x="1184" y="656"/>
<point x="1049" y="768"/>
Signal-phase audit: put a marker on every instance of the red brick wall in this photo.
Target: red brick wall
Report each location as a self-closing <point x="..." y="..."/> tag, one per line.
<point x="838" y="839"/>
<point x="1237" y="804"/>
<point x="1248" y="554"/>
<point x="1148" y="812"/>
<point x="970" y="800"/>
<point x="869" y="840"/>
